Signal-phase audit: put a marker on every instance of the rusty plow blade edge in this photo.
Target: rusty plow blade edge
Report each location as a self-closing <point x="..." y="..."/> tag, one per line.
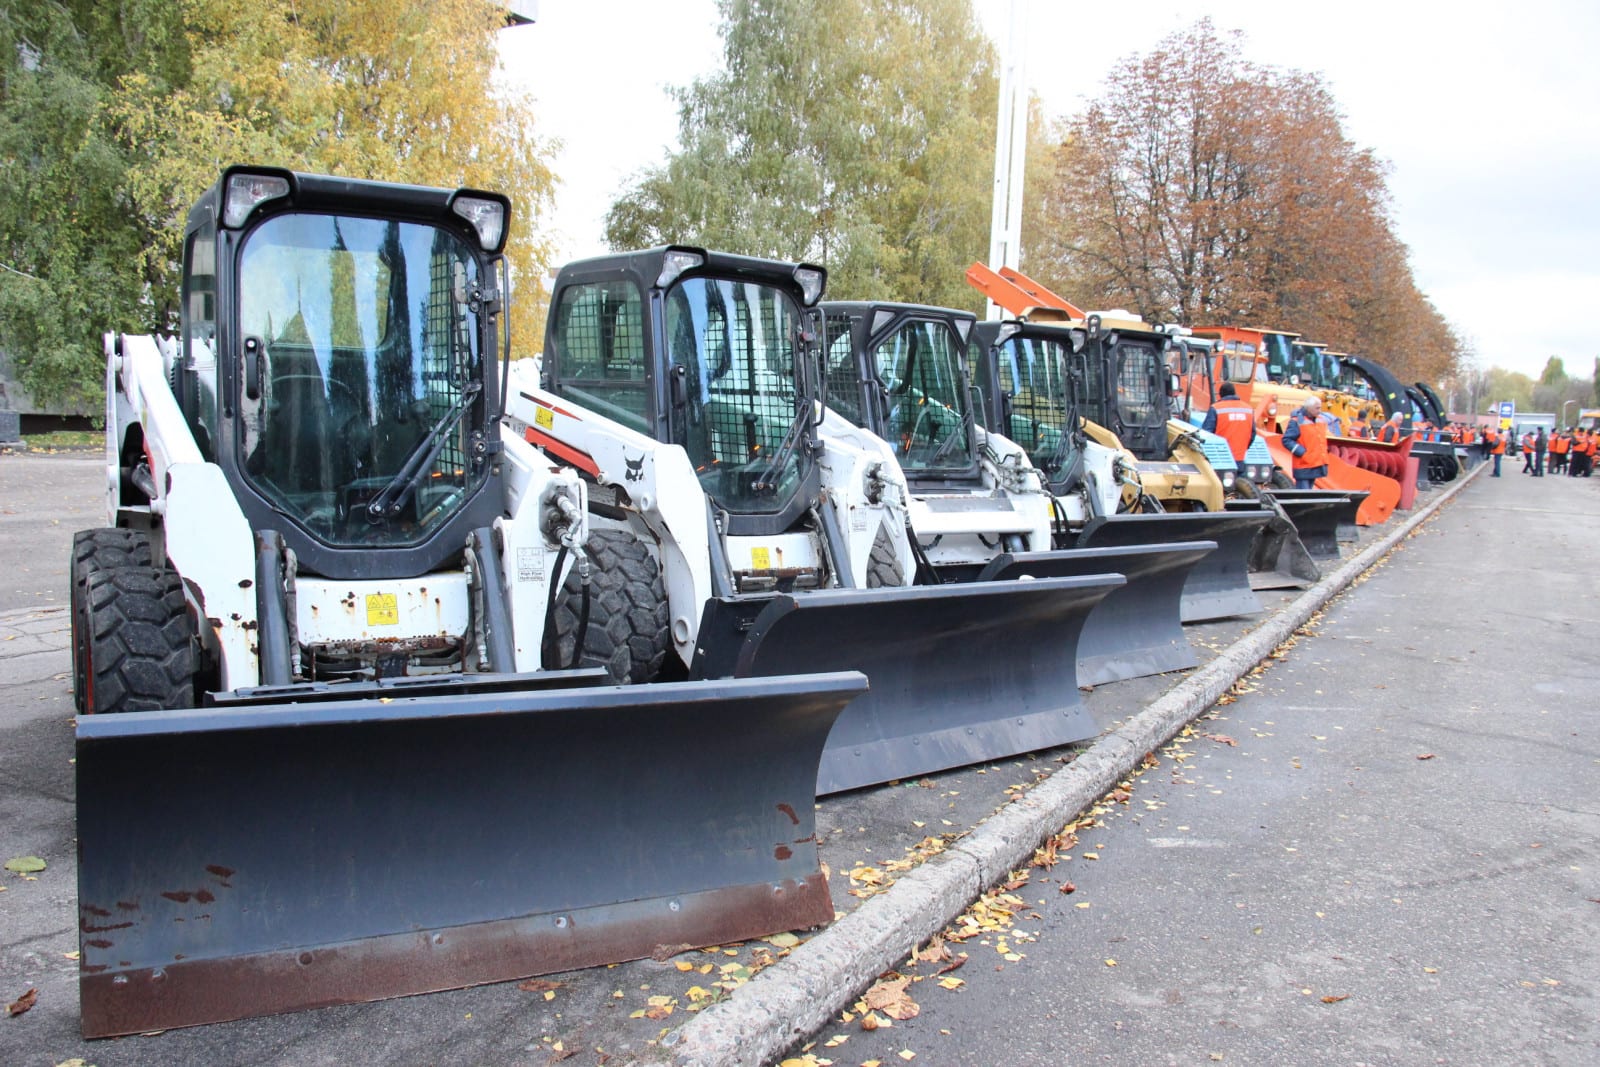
<point x="959" y="674"/>
<point x="1136" y="630"/>
<point x="1218" y="587"/>
<point x="248" y="861"/>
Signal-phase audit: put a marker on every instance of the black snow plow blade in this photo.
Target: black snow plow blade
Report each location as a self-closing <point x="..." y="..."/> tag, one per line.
<point x="1325" y="518"/>
<point x="1136" y="630"/>
<point x="1437" y="460"/>
<point x="253" y="860"/>
<point x="1279" y="558"/>
<point x="959" y="673"/>
<point x="1219" y="585"/>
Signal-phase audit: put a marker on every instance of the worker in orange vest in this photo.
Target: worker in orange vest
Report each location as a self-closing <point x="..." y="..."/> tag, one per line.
<point x="1590" y="446"/>
<point x="1496" y="440"/>
<point x="1560" y="445"/>
<point x="1232" y="420"/>
<point x="1306" y="438"/>
<point x="1390" y="434"/>
<point x="1579" y="456"/>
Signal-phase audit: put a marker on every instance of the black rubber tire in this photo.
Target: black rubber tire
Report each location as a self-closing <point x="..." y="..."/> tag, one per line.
<point x="91" y="549"/>
<point x="883" y="565"/>
<point x="1281" y="480"/>
<point x="140" y="654"/>
<point x="629" y="632"/>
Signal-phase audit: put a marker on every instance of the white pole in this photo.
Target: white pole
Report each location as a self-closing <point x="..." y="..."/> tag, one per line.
<point x="1010" y="151"/>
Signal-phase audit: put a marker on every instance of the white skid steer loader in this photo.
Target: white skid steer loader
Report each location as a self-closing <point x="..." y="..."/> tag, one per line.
<point x="319" y="757"/>
<point x="681" y="384"/>
<point x="980" y="509"/>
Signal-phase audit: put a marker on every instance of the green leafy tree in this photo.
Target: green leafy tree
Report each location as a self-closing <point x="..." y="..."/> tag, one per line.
<point x="1554" y="373"/>
<point x="857" y="134"/>
<point x="70" y="250"/>
<point x="114" y="117"/>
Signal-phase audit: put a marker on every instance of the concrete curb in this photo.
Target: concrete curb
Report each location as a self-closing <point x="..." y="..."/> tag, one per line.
<point x="764" y="1018"/>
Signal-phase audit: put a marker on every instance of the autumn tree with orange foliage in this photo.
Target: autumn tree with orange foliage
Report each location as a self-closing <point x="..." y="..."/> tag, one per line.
<point x="1202" y="187"/>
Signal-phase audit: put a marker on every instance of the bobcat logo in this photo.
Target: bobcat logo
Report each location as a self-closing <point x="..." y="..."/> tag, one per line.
<point x="635" y="468"/>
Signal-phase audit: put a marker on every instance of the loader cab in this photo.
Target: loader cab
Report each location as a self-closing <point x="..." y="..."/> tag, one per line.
<point x="337" y="351"/>
<point x="1020" y="371"/>
<point x="899" y="370"/>
<point x="704" y="350"/>
<point x="1123" y="370"/>
<point x="1190" y="365"/>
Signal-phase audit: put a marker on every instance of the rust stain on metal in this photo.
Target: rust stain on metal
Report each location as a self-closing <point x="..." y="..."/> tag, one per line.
<point x="782" y="852"/>
<point x="131" y="1000"/>
<point x="789" y="811"/>
<point x="178" y="896"/>
<point x="99" y="942"/>
<point x="219" y="870"/>
<point x="90" y="928"/>
<point x="92" y="910"/>
<point x="128" y="905"/>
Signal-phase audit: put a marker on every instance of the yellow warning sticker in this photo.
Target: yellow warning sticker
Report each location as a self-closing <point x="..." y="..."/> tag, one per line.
<point x="383" y="610"/>
<point x="760" y="559"/>
<point x="543" y="416"/>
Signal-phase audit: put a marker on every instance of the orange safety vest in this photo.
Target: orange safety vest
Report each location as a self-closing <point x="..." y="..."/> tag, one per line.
<point x="1314" y="439"/>
<point x="1589" y="445"/>
<point x="1558" y="445"/>
<point x="1235" y="421"/>
<point x="1498" y="440"/>
<point x="1390" y="433"/>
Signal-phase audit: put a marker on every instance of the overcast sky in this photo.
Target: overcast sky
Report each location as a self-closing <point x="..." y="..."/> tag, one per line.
<point x="1487" y="113"/>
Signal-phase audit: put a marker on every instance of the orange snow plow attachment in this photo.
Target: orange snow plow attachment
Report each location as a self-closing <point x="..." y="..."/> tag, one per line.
<point x="1383" y="492"/>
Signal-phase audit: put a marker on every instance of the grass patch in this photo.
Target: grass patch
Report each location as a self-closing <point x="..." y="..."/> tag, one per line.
<point x="58" y="440"/>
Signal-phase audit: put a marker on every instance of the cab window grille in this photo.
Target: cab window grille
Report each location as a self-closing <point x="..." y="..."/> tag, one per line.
<point x="598" y="350"/>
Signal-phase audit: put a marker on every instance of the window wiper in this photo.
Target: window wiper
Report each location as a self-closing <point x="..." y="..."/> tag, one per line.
<point x="949" y="443"/>
<point x="394" y="495"/>
<point x="768" y="480"/>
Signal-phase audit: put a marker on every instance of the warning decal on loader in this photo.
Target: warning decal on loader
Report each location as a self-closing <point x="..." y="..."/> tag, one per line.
<point x="383" y="610"/>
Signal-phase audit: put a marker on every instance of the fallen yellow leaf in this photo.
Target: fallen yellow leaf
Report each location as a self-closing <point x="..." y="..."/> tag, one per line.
<point x="907" y="1055"/>
<point x="1113" y="963"/>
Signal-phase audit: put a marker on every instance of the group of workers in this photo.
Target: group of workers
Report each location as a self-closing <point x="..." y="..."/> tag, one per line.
<point x="1570" y="452"/>
<point x="1306" y="434"/>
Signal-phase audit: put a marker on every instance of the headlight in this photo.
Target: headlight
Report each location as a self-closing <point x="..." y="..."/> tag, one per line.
<point x="1228" y="478"/>
<point x="487" y="217"/>
<point x="245" y="191"/>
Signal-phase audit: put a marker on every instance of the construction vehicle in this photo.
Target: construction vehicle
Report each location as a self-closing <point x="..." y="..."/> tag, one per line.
<point x="682" y="384"/>
<point x="1308" y="525"/>
<point x="899" y="372"/>
<point x="325" y="753"/>
<point x="1260" y="364"/>
<point x="1121" y="384"/>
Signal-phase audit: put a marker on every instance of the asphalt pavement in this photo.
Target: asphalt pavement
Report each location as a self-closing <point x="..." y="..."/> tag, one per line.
<point x="633" y="1012"/>
<point x="1384" y="848"/>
